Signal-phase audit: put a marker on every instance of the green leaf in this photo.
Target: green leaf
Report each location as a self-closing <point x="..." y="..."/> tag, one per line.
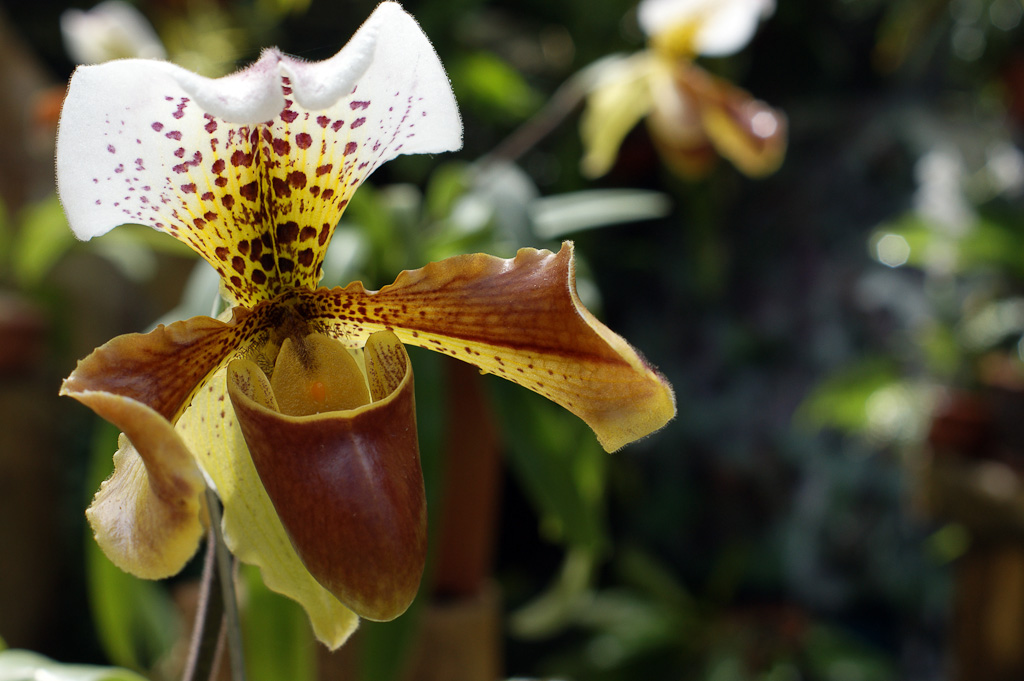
<point x="385" y="646"/>
<point x="389" y="219"/>
<point x="840" y="401"/>
<point x="556" y="216"/>
<point x="278" y="639"/>
<point x="559" y="463"/>
<point x="447" y="183"/>
<point x="279" y="8"/>
<point x="548" y="613"/>
<point x="43" y="238"/>
<point x="992" y="244"/>
<point x="831" y="653"/>
<point x="989" y="244"/>
<point x="6" y="237"/>
<point x="135" y="619"/>
<point x="22" y="665"/>
<point x="484" y="82"/>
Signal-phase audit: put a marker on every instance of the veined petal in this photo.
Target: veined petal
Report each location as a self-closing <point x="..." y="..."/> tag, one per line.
<point x="163" y="368"/>
<point x="519" y="319"/>
<point x="251" y="170"/>
<point x="146" y="516"/>
<point x="252" y="529"/>
<point x="347" y="484"/>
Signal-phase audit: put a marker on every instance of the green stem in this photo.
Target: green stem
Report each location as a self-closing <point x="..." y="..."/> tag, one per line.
<point x="225" y="570"/>
<point x="206" y="635"/>
<point x="561" y="104"/>
<point x="217" y="614"/>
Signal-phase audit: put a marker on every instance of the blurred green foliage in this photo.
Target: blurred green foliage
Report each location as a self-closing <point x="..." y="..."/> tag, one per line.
<point x="21" y="665"/>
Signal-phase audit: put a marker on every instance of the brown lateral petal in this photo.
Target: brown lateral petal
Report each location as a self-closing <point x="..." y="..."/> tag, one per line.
<point x="146" y="516"/>
<point x="346" y="485"/>
<point x="163" y="368"/>
<point x="748" y="132"/>
<point x="519" y="319"/>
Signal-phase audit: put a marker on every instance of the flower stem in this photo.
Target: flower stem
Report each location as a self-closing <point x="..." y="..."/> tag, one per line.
<point x="203" y="652"/>
<point x="561" y="104"/>
<point x="217" y="615"/>
<point x="225" y="570"/>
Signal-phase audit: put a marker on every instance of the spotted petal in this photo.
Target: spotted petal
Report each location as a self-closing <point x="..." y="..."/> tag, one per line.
<point x="251" y="170"/>
<point x="163" y="369"/>
<point x="519" y="319"/>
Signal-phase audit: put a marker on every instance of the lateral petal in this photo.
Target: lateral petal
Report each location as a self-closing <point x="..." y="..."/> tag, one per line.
<point x="619" y="99"/>
<point x="252" y="529"/>
<point x="163" y="368"/>
<point x="519" y="319"/>
<point x="744" y="130"/>
<point x="146" y="516"/>
<point x="347" y="485"/>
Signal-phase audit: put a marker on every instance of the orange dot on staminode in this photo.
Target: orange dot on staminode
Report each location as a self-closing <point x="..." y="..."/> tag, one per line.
<point x="318" y="391"/>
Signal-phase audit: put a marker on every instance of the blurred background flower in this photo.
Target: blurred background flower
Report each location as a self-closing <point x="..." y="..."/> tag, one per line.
<point x="110" y="30"/>
<point x="692" y="115"/>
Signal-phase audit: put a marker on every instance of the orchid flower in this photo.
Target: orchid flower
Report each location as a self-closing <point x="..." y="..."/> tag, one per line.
<point x="692" y="115"/>
<point x="296" y="405"/>
<point x="111" y="30"/>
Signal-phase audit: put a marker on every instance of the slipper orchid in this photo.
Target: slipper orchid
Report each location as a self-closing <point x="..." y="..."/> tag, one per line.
<point x="297" y="404"/>
<point x="692" y="116"/>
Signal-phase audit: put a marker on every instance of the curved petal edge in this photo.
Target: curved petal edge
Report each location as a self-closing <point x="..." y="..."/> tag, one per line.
<point x="147" y="517"/>
<point x="347" y="485"/>
<point x="519" y="319"/>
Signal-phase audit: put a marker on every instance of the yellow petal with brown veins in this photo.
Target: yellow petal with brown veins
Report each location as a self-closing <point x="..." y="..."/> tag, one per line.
<point x="519" y="319"/>
<point x="146" y="516"/>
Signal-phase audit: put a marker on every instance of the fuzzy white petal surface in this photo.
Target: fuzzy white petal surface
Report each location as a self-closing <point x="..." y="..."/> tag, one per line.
<point x="138" y="140"/>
